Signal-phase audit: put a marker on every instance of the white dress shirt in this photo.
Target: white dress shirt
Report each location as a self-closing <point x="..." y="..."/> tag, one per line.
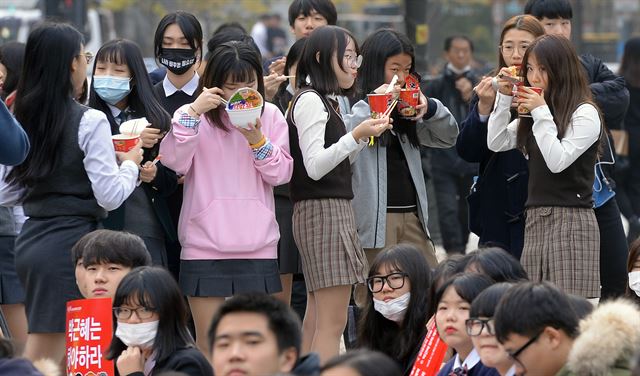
<point x="189" y="88"/>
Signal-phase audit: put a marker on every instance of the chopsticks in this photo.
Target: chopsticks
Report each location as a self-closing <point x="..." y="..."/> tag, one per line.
<point x="387" y="112"/>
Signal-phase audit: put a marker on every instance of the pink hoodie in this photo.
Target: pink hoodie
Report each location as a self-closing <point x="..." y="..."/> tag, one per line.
<point x="228" y="208"/>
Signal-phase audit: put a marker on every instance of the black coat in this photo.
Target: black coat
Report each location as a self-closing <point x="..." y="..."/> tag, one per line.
<point x="502" y="186"/>
<point x="188" y="360"/>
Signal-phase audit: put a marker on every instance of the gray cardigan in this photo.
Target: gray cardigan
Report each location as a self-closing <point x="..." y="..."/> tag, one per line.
<point x="370" y="170"/>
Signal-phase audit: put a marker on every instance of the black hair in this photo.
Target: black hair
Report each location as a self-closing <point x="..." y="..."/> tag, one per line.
<point x="189" y="25"/>
<point x="283" y="97"/>
<point x="230" y="26"/>
<point x="376" y="49"/>
<point x="444" y="271"/>
<point x="111" y="247"/>
<point x="316" y="60"/>
<point x="234" y="60"/>
<point x="12" y="57"/>
<point x="527" y="308"/>
<point x="224" y="36"/>
<point x="630" y="63"/>
<point x="380" y="334"/>
<point x="44" y="97"/>
<point x="282" y="320"/>
<point x="484" y="305"/>
<point x="467" y="286"/>
<point x="365" y="363"/>
<point x="580" y="305"/>
<point x="304" y="7"/>
<point x="141" y="100"/>
<point x="497" y="264"/>
<point x="156" y="290"/>
<point x="449" y="41"/>
<point x="549" y="8"/>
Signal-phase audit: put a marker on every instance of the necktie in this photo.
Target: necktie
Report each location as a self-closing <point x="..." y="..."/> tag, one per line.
<point x="460" y="371"/>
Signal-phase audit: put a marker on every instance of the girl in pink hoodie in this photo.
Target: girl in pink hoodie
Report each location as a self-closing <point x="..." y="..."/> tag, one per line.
<point x="227" y="228"/>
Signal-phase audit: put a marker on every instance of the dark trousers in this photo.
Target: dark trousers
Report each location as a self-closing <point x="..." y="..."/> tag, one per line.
<point x="613" y="250"/>
<point x="451" y="192"/>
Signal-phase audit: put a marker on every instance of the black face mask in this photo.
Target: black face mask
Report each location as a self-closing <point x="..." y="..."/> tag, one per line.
<point x="177" y="60"/>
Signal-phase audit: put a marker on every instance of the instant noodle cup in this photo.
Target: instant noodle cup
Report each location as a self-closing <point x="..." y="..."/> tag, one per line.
<point x="124" y="142"/>
<point x="408" y="101"/>
<point x="244" y="107"/>
<point x="134" y="127"/>
<point x="379" y="104"/>
<point x="523" y="111"/>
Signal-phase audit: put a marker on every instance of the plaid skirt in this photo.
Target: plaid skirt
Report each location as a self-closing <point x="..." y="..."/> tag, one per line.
<point x="325" y="232"/>
<point x="562" y="245"/>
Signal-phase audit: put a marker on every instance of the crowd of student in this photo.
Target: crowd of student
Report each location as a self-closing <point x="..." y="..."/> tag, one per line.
<point x="316" y="185"/>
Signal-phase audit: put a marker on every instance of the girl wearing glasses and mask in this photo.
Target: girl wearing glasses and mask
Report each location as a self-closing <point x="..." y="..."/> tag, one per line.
<point x="394" y="320"/>
<point x="454" y="299"/>
<point x="121" y="88"/>
<point x="150" y="328"/>
<point x="481" y="328"/>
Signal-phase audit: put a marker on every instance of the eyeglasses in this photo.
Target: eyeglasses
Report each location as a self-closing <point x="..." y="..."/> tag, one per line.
<point x="123" y="313"/>
<point x="514" y="355"/>
<point x="508" y="49"/>
<point x="394" y="281"/>
<point x="87" y="55"/>
<point x="475" y="326"/>
<point x="353" y="61"/>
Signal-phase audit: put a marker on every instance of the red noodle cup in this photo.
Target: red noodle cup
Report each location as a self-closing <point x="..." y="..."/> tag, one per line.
<point x="522" y="111"/>
<point x="409" y="99"/>
<point x="124" y="142"/>
<point x="379" y="104"/>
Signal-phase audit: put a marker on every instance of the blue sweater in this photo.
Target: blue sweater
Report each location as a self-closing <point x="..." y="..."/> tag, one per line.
<point x="15" y="143"/>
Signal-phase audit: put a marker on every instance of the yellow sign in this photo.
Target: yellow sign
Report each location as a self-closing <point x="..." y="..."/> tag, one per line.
<point x="422" y="34"/>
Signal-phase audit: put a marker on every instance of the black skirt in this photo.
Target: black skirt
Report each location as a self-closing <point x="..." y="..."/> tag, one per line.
<point x="289" y="259"/>
<point x="11" y="291"/>
<point x="223" y="278"/>
<point x="45" y="269"/>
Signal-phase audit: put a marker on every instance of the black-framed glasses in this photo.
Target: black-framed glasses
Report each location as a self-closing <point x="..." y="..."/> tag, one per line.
<point x="87" y="55"/>
<point x="514" y="355"/>
<point x="394" y="281"/>
<point x="508" y="49"/>
<point x="475" y="326"/>
<point x="353" y="61"/>
<point x="124" y="313"/>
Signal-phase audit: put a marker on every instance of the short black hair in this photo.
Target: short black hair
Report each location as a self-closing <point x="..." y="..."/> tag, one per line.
<point x="189" y="25"/>
<point x="527" y="308"/>
<point x="283" y="321"/>
<point x="443" y="272"/>
<point x="449" y="41"/>
<point x="230" y="26"/>
<point x="581" y="306"/>
<point x="316" y="60"/>
<point x="467" y="286"/>
<point x="497" y="264"/>
<point x="111" y="247"/>
<point x="365" y="363"/>
<point x="484" y="305"/>
<point x="549" y="8"/>
<point x="324" y="7"/>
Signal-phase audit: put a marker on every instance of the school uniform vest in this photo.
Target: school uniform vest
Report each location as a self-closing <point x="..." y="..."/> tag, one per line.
<point x="66" y="191"/>
<point x="335" y="184"/>
<point x="570" y="188"/>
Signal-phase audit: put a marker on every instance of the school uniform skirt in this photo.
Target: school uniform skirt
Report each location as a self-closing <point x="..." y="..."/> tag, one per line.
<point x="288" y="256"/>
<point x="45" y="269"/>
<point x="562" y="245"/>
<point x="326" y="235"/>
<point x="11" y="291"/>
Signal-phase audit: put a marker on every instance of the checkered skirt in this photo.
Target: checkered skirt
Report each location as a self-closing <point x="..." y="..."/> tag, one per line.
<point x="562" y="245"/>
<point x="325" y="232"/>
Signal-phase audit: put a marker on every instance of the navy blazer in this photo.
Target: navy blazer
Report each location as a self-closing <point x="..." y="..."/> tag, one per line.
<point x="502" y="185"/>
<point x="478" y="370"/>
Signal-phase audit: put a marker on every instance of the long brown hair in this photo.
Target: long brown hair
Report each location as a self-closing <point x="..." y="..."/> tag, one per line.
<point x="567" y="85"/>
<point x="523" y="22"/>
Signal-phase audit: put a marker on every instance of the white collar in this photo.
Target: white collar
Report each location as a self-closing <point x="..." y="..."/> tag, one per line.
<point x="290" y="89"/>
<point x="456" y="70"/>
<point x="115" y="111"/>
<point x="511" y="371"/>
<point x="472" y="359"/>
<point x="189" y="88"/>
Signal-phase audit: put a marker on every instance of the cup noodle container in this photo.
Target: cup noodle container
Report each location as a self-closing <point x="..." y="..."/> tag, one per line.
<point x="407" y="102"/>
<point x="244" y="107"/>
<point x="134" y="127"/>
<point x="379" y="104"/>
<point x="522" y="111"/>
<point x="124" y="142"/>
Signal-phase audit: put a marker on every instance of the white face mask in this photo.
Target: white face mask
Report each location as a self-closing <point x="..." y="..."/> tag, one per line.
<point x="141" y="335"/>
<point x="634" y="282"/>
<point x="394" y="309"/>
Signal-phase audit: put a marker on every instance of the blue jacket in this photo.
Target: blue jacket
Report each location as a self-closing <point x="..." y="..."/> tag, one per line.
<point x="502" y="186"/>
<point x="15" y="143"/>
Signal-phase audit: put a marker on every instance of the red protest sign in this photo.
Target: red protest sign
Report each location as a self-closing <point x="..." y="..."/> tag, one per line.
<point x="88" y="335"/>
<point x="431" y="353"/>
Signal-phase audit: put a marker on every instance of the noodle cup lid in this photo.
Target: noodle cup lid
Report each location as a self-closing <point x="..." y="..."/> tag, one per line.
<point x="134" y="127"/>
<point x="244" y="99"/>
